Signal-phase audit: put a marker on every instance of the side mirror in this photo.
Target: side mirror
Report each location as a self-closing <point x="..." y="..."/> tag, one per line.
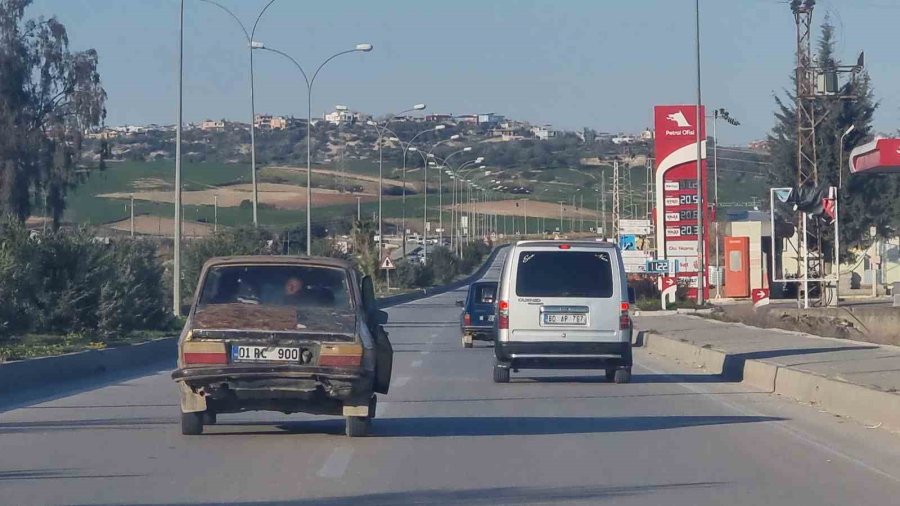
<point x="631" y="297"/>
<point x="460" y="303"/>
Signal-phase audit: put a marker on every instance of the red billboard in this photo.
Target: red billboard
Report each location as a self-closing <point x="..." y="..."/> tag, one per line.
<point x="676" y="190"/>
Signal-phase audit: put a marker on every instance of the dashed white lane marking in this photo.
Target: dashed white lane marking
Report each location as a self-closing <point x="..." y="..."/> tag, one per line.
<point x="336" y="463"/>
<point x="416" y="363"/>
<point x="402" y="380"/>
<point x="426" y="352"/>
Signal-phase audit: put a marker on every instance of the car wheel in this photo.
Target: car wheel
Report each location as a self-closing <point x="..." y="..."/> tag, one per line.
<point x="358" y="426"/>
<point x="610" y="374"/>
<point x="209" y="417"/>
<point x="623" y="376"/>
<point x="192" y="423"/>
<point x="501" y="374"/>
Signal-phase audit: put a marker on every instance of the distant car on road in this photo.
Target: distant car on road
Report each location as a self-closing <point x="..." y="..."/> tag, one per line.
<point x="477" y="319"/>
<point x="563" y="305"/>
<point x="281" y="333"/>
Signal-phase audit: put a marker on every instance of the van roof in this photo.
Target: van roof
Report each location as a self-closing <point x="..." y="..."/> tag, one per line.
<point x="580" y="243"/>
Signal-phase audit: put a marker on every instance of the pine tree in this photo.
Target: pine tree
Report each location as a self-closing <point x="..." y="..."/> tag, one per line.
<point x="865" y="200"/>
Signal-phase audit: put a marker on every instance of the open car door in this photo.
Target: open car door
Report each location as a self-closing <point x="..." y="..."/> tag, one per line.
<point x="384" y="352"/>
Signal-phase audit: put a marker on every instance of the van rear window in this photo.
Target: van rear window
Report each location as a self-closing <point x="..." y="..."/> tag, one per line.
<point x="564" y="274"/>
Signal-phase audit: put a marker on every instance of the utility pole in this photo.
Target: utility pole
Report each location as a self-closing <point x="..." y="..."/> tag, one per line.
<point x="701" y="264"/>
<point x="176" y="267"/>
<point x="132" y="215"/>
<point x="616" y="201"/>
<point x="603" y="199"/>
<point x="215" y="213"/>
<point x="525" y="215"/>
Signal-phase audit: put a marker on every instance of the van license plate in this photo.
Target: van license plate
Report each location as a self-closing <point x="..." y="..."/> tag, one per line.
<point x="264" y="354"/>
<point x="565" y="319"/>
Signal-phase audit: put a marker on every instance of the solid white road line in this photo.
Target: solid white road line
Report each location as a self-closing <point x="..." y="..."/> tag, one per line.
<point x="337" y="462"/>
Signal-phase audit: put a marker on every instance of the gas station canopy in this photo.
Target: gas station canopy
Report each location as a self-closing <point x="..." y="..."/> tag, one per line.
<point x="877" y="157"/>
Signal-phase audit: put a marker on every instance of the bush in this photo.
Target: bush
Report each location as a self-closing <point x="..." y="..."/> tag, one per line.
<point x="70" y="282"/>
<point x="413" y="275"/>
<point x="444" y="264"/>
<point x="238" y="241"/>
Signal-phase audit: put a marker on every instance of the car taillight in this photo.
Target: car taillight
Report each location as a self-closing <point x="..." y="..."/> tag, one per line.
<point x="340" y="355"/>
<point x="467" y="319"/>
<point x="624" y="319"/>
<point x="503" y="320"/>
<point x="204" y="353"/>
<point x="565" y="246"/>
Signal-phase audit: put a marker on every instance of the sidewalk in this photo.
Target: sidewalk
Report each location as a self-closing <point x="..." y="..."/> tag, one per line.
<point x="854" y="379"/>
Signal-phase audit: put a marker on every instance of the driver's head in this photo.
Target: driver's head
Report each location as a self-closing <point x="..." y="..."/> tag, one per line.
<point x="293" y="286"/>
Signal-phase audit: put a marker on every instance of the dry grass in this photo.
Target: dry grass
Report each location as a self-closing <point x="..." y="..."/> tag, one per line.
<point x="158" y="226"/>
<point x="534" y="208"/>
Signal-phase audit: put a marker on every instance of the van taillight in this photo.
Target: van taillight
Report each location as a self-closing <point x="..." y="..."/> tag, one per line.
<point x="467" y="319"/>
<point x="624" y="319"/>
<point x="503" y="319"/>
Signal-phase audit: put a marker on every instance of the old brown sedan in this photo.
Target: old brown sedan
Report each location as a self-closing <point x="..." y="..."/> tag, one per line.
<point x="281" y="333"/>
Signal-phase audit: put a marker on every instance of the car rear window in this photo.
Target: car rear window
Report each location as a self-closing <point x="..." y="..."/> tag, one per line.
<point x="564" y="274"/>
<point x="484" y="294"/>
<point x="281" y="285"/>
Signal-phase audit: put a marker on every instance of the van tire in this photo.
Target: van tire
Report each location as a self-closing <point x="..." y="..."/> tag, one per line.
<point x="358" y="426"/>
<point x="501" y="374"/>
<point x="209" y="417"/>
<point x="623" y="375"/>
<point x="192" y="423"/>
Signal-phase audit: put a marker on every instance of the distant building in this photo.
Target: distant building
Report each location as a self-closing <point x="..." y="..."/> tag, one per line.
<point x="489" y="118"/>
<point x="213" y="125"/>
<point x="471" y="119"/>
<point x="269" y="122"/>
<point x="648" y="135"/>
<point x="623" y="139"/>
<point x="438" y="118"/>
<point x="543" y="132"/>
<point x="506" y="134"/>
<point x="762" y="145"/>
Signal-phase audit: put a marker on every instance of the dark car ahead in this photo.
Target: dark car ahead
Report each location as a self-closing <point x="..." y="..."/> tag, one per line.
<point x="477" y="319"/>
<point x="281" y="333"/>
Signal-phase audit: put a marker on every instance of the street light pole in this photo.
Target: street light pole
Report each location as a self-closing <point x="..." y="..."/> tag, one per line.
<point x="364" y="48"/>
<point x="250" y="46"/>
<point x="176" y="250"/>
<point x="701" y="268"/>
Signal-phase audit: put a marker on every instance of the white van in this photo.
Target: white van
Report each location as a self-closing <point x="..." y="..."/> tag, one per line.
<point x="563" y="305"/>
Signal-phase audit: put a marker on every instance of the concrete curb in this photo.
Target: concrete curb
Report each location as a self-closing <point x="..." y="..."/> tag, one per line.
<point x="36" y="372"/>
<point x="863" y="404"/>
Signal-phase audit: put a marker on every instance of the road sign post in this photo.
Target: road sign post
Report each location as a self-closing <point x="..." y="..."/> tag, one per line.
<point x="387" y="265"/>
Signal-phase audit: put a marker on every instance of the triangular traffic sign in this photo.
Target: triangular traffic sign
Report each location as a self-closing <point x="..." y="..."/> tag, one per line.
<point x="387" y="263"/>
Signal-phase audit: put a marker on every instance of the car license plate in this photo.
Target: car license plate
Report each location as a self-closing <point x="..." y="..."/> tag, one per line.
<point x="565" y="319"/>
<point x="264" y="354"/>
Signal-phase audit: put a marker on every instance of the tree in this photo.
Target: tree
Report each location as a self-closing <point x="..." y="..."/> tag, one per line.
<point x="864" y="200"/>
<point x="49" y="97"/>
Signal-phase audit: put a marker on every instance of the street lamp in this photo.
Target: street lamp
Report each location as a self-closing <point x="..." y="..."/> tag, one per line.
<point x="837" y="221"/>
<point x="441" y="192"/>
<point x="381" y="130"/>
<point x="718" y="113"/>
<point x="251" y="45"/>
<point x="364" y="48"/>
<point x="427" y="158"/>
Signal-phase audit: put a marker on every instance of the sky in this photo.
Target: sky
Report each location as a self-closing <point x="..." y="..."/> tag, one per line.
<point x="601" y="64"/>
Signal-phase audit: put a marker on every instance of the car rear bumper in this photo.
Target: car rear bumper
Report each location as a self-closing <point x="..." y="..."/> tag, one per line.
<point x="554" y="355"/>
<point x="477" y="331"/>
<point x="285" y="388"/>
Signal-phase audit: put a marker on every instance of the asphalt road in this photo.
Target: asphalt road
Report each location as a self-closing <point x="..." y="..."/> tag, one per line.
<point x="446" y="434"/>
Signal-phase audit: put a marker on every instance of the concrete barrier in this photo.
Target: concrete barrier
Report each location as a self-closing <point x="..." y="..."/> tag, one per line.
<point x="860" y="403"/>
<point x="23" y="374"/>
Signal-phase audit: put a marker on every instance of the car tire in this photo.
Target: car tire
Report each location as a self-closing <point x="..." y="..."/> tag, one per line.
<point x="501" y="374"/>
<point x="623" y="375"/>
<point x="192" y="423"/>
<point x="209" y="418"/>
<point x="610" y="374"/>
<point x="358" y="426"/>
